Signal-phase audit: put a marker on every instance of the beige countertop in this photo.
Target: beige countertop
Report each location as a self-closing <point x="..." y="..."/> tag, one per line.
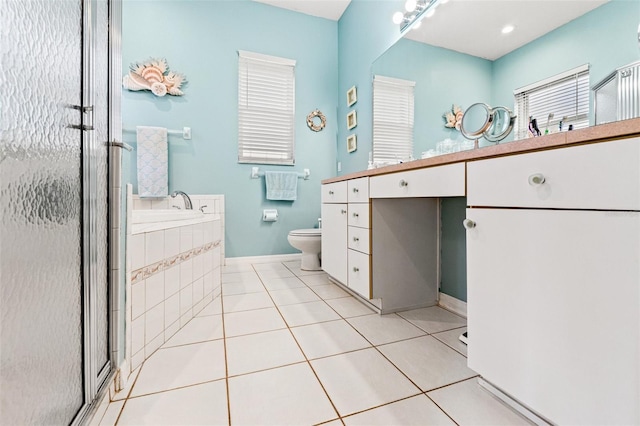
<point x="602" y="133"/>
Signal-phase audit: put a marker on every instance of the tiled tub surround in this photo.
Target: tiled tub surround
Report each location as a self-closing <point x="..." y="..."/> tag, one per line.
<point x="175" y="272"/>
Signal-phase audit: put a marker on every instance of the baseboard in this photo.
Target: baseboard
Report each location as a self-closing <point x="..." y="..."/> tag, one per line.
<point x="452" y="304"/>
<point x="263" y="259"/>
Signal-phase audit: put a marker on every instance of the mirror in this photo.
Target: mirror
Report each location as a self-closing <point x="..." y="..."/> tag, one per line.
<point x="454" y="68"/>
<point x="501" y="126"/>
<point x="476" y="120"/>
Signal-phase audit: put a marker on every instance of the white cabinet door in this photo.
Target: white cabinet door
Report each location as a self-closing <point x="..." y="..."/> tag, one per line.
<point x="334" y="241"/>
<point x="359" y="278"/>
<point x="554" y="310"/>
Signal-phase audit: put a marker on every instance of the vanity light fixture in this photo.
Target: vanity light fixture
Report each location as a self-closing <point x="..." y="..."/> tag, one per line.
<point x="416" y="9"/>
<point x="507" y="29"/>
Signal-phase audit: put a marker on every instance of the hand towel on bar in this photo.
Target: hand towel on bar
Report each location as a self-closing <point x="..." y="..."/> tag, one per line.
<point x="153" y="163"/>
<point x="281" y="185"/>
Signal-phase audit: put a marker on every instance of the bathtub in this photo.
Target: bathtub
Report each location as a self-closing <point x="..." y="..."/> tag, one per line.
<point x="154" y="220"/>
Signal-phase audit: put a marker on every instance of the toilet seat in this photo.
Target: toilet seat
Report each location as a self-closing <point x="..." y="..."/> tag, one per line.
<point x="313" y="232"/>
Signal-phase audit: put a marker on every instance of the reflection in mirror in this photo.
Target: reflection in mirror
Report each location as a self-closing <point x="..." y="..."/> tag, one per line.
<point x="476" y="120"/>
<point x="454" y="69"/>
<point x="501" y="125"/>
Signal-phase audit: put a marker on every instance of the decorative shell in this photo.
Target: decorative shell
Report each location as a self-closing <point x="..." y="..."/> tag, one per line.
<point x="453" y="118"/>
<point x="154" y="75"/>
<point x="311" y="120"/>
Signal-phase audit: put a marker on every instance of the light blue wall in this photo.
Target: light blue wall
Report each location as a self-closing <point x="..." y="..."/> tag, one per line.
<point x="443" y="77"/>
<point x="365" y="31"/>
<point x="201" y="40"/>
<point x="605" y="38"/>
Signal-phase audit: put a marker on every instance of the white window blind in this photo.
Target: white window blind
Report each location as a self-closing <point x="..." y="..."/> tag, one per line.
<point x="266" y="109"/>
<point x="566" y="96"/>
<point x="393" y="109"/>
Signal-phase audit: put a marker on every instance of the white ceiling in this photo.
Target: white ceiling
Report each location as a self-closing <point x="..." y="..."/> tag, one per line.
<point x="471" y="26"/>
<point x="474" y="26"/>
<point x="330" y="9"/>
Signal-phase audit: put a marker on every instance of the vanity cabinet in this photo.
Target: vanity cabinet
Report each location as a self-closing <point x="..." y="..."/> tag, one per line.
<point x="334" y="230"/>
<point x="440" y="181"/>
<point x="553" y="282"/>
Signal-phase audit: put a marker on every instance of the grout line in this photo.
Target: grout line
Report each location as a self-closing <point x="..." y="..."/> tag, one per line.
<point x="226" y="361"/>
<point x="133" y="385"/>
<point x="451" y="384"/>
<point x="176" y="388"/>
<point x="441" y="409"/>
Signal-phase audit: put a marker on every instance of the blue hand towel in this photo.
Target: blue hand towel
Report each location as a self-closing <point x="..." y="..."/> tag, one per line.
<point x="281" y="185"/>
<point x="153" y="163"/>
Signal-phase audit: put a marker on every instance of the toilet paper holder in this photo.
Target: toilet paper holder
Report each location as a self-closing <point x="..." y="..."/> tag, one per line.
<point x="269" y="215"/>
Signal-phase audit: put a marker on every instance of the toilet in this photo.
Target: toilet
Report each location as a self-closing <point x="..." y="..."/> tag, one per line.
<point x="308" y="242"/>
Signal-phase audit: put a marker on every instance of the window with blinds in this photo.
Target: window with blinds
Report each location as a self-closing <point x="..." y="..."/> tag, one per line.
<point x="266" y="109"/>
<point x="393" y="109"/>
<point x="566" y="96"/>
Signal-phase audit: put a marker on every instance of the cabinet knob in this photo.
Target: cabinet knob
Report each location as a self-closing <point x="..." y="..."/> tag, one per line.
<point x="355" y="190"/>
<point x="469" y="224"/>
<point x="536" y="179"/>
<point x="404" y="183"/>
<point x="355" y="269"/>
<point x="330" y="192"/>
<point x="356" y="239"/>
<point x="356" y="215"/>
<point x="343" y="211"/>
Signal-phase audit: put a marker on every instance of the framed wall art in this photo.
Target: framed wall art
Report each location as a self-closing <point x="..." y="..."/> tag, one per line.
<point x="352" y="120"/>
<point x="352" y="143"/>
<point x="352" y="96"/>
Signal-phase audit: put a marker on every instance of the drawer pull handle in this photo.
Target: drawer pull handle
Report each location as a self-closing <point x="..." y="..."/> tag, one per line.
<point x="355" y="190"/>
<point x="355" y="269"/>
<point x="356" y="239"/>
<point x="356" y="215"/>
<point x="536" y="179"/>
<point x="468" y="224"/>
<point x="404" y="183"/>
<point x="330" y="192"/>
<point x="343" y="211"/>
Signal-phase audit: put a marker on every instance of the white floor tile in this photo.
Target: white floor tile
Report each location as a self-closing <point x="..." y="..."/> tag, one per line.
<point x="330" y="291"/>
<point x="199" y="329"/>
<point x="451" y="338"/>
<point x="213" y="308"/>
<point x="237" y="277"/>
<point x="254" y="352"/>
<point x="308" y="313"/>
<point x="268" y="267"/>
<point x="360" y="380"/>
<point x="328" y="338"/>
<point x="242" y="287"/>
<point x="237" y="267"/>
<point x="349" y="307"/>
<point x="428" y="362"/>
<point x="318" y="279"/>
<point x="275" y="273"/>
<point x="434" y="319"/>
<point x="283" y="283"/>
<point x="283" y="396"/>
<point x="181" y="366"/>
<point x="245" y="302"/>
<point x="468" y="404"/>
<point x="418" y="410"/>
<point x="381" y="329"/>
<point x="204" y="404"/>
<point x="112" y="413"/>
<point x="293" y="296"/>
<point x="256" y="321"/>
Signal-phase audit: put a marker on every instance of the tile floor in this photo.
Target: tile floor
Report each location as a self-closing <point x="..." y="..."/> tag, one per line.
<point x="288" y="347"/>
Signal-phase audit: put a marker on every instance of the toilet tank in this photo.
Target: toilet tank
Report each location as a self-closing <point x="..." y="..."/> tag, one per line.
<point x="617" y="96"/>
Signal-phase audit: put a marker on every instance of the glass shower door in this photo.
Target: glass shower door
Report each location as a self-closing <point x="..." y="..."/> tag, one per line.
<point x="41" y="357"/>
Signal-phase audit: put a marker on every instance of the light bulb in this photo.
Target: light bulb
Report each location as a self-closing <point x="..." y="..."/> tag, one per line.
<point x="507" y="29"/>
<point x="430" y="12"/>
<point x="398" y="17"/>
<point x="416" y="25"/>
<point x="410" y="5"/>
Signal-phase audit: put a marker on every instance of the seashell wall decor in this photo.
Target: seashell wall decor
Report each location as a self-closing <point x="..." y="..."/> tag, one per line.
<point x="154" y="75"/>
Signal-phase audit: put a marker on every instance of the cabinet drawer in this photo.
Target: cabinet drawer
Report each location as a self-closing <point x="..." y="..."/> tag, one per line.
<point x="603" y="175"/>
<point x="359" y="273"/>
<point x="334" y="192"/>
<point x="442" y="181"/>
<point x="358" y="190"/>
<point x="359" y="239"/>
<point x="359" y="215"/>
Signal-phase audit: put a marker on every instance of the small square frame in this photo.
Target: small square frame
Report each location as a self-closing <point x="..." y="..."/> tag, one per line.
<point x="352" y="143"/>
<point x="352" y="120"/>
<point x="352" y="96"/>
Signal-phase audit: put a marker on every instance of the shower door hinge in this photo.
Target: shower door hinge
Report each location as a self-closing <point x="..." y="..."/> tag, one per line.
<point x="80" y="127"/>
<point x="81" y="108"/>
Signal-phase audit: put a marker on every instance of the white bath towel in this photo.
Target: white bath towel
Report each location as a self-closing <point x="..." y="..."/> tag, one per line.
<point x="281" y="185"/>
<point x="153" y="164"/>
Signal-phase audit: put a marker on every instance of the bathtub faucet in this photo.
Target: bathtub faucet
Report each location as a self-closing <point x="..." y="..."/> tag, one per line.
<point x="185" y="198"/>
